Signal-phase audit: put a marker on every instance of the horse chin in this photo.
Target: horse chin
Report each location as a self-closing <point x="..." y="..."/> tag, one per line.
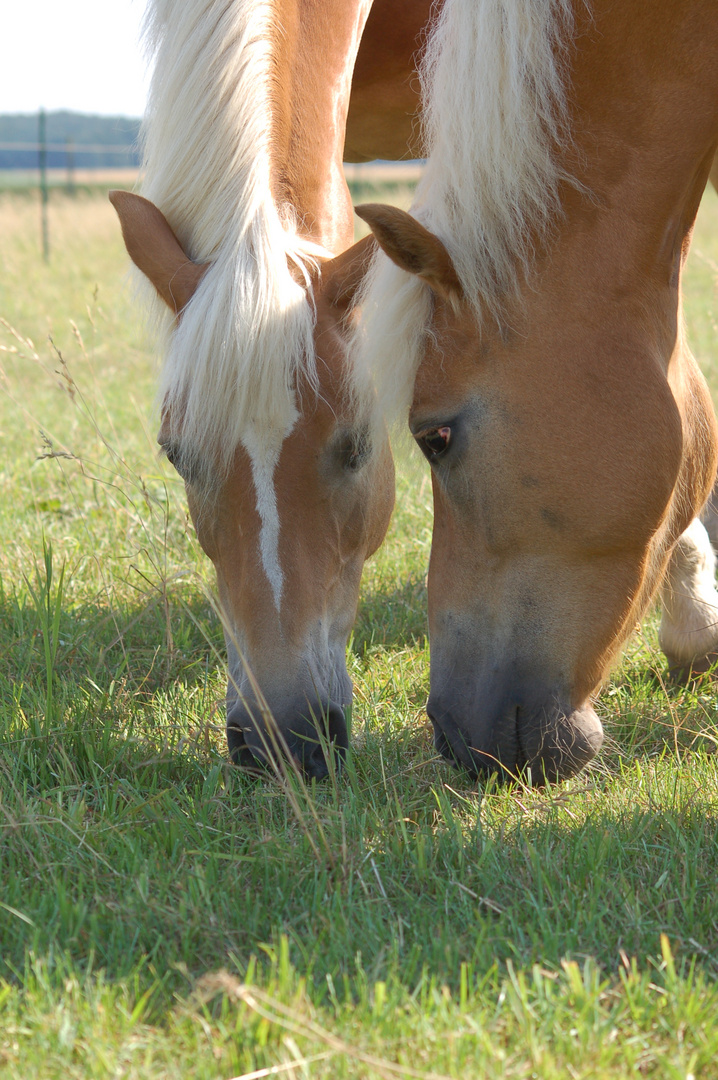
<point x="540" y="745"/>
<point x="556" y="746"/>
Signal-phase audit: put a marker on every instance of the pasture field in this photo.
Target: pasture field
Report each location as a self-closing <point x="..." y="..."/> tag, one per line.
<point x="163" y="915"/>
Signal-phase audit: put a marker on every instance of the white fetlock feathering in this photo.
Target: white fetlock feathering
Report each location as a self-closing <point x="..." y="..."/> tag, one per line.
<point x="689" y="626"/>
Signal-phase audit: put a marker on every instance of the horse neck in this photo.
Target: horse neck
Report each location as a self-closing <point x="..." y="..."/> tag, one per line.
<point x="315" y="49"/>
<point x="644" y="99"/>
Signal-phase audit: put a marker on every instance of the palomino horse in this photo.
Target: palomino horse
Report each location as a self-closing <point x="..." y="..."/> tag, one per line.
<point x="529" y="319"/>
<point x="383" y="117"/>
<point x="286" y="463"/>
<point x="383" y="121"/>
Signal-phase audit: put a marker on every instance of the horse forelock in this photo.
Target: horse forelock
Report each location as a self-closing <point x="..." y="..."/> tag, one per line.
<point x="244" y="343"/>
<point x="493" y="78"/>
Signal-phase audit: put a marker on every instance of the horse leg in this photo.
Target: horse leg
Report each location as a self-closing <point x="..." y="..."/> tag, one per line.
<point x="689" y="627"/>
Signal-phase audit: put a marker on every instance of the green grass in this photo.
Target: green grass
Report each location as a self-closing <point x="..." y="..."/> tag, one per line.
<point x="162" y="915"/>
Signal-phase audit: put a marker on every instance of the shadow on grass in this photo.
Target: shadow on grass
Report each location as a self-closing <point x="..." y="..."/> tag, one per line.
<point x="79" y="684"/>
<point x="168" y="637"/>
<point x="171" y="635"/>
<point x="392" y="617"/>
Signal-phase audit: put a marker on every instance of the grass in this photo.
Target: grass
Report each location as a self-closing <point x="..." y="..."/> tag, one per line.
<point x="163" y="915"/>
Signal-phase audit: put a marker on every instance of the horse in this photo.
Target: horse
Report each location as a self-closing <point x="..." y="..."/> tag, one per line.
<point x="526" y="315"/>
<point x="383" y="115"/>
<point x="384" y="121"/>
<point x="242" y="230"/>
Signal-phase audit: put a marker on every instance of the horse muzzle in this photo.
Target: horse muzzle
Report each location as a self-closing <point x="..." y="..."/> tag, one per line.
<point x="548" y="740"/>
<point x="308" y="735"/>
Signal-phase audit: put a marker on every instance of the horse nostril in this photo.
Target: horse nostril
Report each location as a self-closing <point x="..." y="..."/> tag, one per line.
<point x="337" y="730"/>
<point x="314" y="763"/>
<point x="441" y="745"/>
<point x="239" y="753"/>
<point x="450" y="741"/>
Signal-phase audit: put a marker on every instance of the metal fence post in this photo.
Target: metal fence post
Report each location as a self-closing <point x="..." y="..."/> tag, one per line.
<point x="42" y="161"/>
<point x="70" y="158"/>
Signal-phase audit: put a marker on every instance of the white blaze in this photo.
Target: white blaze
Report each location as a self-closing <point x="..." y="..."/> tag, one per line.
<point x="264" y="455"/>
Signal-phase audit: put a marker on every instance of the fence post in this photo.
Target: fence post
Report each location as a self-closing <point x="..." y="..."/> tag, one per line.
<point x="42" y="155"/>
<point x="70" y="159"/>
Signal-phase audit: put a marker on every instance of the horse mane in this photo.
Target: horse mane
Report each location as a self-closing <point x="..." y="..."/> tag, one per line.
<point x="244" y="342"/>
<point x="493" y="79"/>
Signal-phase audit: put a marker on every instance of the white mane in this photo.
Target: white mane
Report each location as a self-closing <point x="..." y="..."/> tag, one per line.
<point x="245" y="339"/>
<point x="494" y="114"/>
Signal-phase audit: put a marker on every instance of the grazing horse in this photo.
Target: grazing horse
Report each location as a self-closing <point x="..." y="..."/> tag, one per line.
<point x="527" y="318"/>
<point x="285" y="459"/>
<point x="383" y="121"/>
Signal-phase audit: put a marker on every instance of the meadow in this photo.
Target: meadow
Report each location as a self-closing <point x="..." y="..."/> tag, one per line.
<point x="164" y="915"/>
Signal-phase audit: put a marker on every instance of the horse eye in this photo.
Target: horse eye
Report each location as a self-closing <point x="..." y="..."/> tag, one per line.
<point x="434" y="442"/>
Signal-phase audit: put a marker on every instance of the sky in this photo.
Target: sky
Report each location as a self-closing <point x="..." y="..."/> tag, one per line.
<point x="83" y="55"/>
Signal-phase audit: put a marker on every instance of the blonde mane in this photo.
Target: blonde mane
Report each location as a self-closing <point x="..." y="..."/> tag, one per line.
<point x="494" y="115"/>
<point x="245" y="341"/>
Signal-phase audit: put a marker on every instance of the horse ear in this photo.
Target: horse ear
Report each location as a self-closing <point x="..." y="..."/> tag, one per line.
<point x="155" y="249"/>
<point x="342" y="276"/>
<point x="413" y="248"/>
